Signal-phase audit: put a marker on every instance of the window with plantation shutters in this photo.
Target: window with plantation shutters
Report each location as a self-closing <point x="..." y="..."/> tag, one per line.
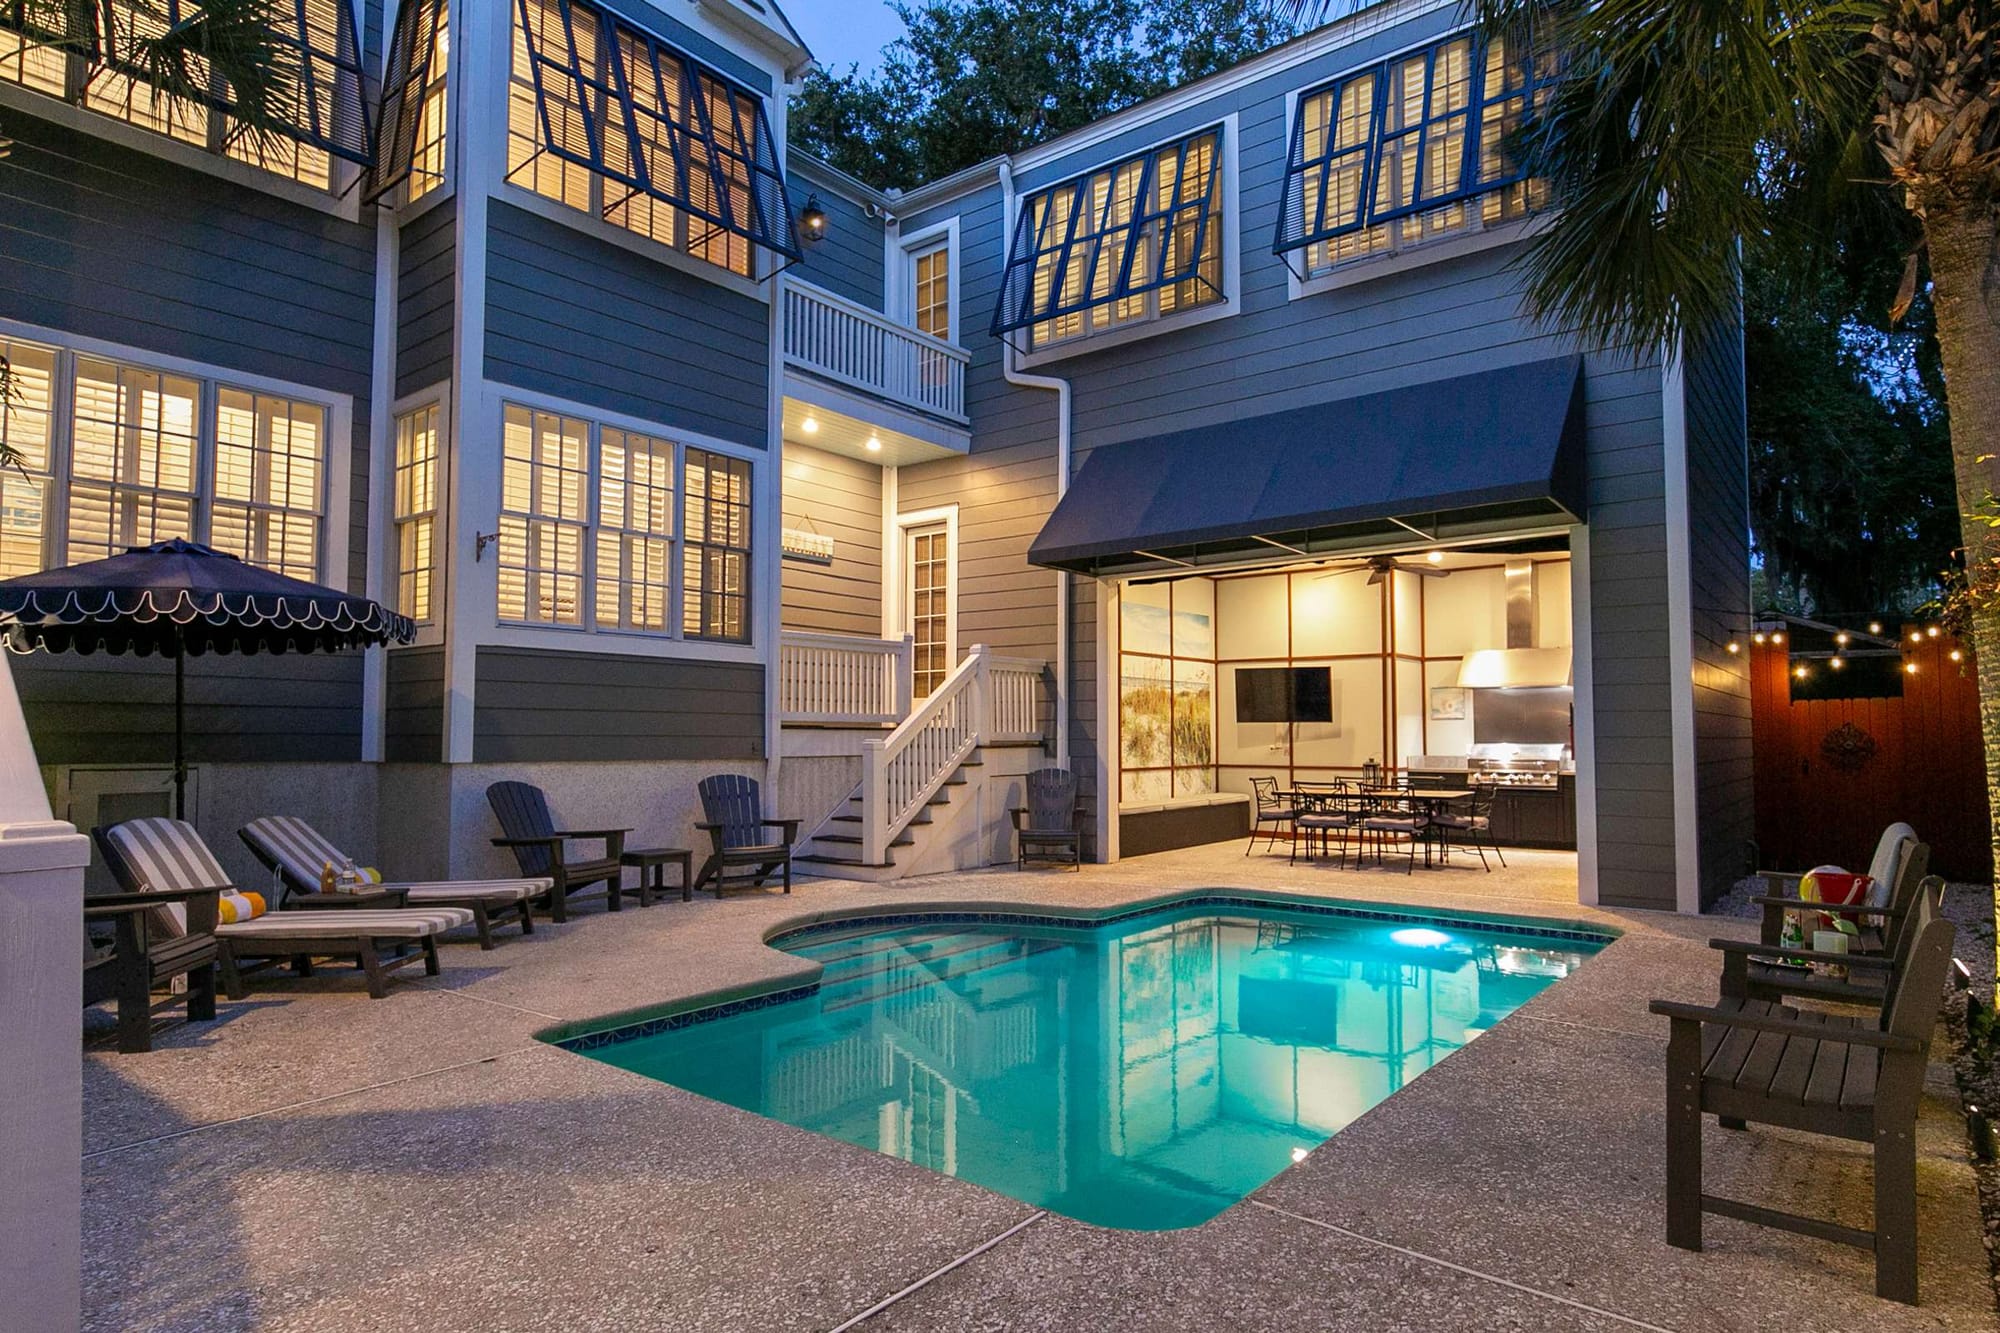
<point x="635" y="533"/>
<point x="116" y="454"/>
<point x="410" y="140"/>
<point x="1410" y="149"/>
<point x="716" y="600"/>
<point x="414" y="496"/>
<point x="606" y="118"/>
<point x="544" y="499"/>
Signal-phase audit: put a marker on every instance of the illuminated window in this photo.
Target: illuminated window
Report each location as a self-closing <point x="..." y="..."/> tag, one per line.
<point x="418" y="453"/>
<point x="544" y="499"/>
<point x="321" y="118"/>
<point x="265" y="506"/>
<point x="605" y="118"/>
<point x="1136" y="240"/>
<point x="932" y="292"/>
<point x="1409" y="150"/>
<point x="635" y="533"/>
<point x="27" y="431"/>
<point x="115" y="454"/>
<point x="410" y="138"/>
<point x="584" y="504"/>
<point x="715" y="601"/>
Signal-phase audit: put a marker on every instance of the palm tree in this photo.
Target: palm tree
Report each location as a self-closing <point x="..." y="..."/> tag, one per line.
<point x="192" y="51"/>
<point x="1683" y="129"/>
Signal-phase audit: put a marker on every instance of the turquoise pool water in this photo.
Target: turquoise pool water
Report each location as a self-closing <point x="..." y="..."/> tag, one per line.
<point x="1145" y="1073"/>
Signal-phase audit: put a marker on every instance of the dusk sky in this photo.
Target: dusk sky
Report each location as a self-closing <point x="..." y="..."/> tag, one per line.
<point x="845" y="32"/>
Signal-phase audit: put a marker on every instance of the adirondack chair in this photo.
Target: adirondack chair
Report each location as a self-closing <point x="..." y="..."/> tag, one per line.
<point x="1850" y="1078"/>
<point x="733" y="806"/>
<point x="1904" y="864"/>
<point x="543" y="852"/>
<point x="140" y="959"/>
<point x="1045" y="828"/>
<point x="1756" y="971"/>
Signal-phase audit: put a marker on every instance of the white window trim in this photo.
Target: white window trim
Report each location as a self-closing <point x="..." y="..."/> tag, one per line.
<point x="895" y="592"/>
<point x="904" y="251"/>
<point x="337" y="464"/>
<point x="340" y="201"/>
<point x="1228" y="307"/>
<point x="636" y="643"/>
<point x="430" y="632"/>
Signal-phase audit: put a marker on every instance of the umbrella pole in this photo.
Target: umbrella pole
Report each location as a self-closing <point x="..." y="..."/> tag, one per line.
<point x="180" y="723"/>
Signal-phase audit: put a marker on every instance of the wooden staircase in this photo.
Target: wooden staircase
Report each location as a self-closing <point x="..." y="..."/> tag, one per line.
<point x="836" y="848"/>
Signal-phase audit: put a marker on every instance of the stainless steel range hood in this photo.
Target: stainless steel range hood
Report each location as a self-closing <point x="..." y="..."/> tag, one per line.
<point x="1520" y="664"/>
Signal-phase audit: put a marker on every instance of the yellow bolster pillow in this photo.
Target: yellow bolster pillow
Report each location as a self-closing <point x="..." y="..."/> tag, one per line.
<point x="240" y="907"/>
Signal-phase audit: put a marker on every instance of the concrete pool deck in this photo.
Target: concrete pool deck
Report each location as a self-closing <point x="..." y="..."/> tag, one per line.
<point x="316" y="1160"/>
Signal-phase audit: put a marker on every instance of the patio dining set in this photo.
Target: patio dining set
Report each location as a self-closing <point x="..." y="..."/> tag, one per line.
<point x="1326" y="819"/>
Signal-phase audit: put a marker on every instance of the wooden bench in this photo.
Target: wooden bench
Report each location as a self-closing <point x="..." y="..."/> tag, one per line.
<point x="1843" y="1076"/>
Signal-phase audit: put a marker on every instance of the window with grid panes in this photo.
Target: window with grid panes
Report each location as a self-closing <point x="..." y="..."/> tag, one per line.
<point x="427" y="157"/>
<point x="930" y="610"/>
<point x="418" y="453"/>
<point x="715" y="594"/>
<point x="635" y="533"/>
<point x="933" y="292"/>
<point x="265" y="504"/>
<point x="544" y="499"/>
<point x="134" y="447"/>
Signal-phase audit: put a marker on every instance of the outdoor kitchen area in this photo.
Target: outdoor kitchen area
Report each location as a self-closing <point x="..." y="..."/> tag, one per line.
<point x="1442" y="668"/>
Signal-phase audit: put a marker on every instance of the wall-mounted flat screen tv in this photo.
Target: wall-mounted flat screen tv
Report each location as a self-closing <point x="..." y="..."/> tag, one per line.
<point x="1284" y="694"/>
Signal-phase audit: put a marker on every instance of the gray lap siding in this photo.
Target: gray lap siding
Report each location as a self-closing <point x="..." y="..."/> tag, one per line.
<point x="535" y="705"/>
<point x="427" y="279"/>
<point x="106" y="242"/>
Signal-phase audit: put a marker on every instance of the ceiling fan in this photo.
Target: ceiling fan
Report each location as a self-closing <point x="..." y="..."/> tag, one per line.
<point x="1379" y="567"/>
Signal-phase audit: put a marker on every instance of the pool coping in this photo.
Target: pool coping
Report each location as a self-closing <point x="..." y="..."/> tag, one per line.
<point x="579" y="1036"/>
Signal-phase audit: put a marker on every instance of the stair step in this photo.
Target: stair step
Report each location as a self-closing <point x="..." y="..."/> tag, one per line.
<point x="818" y="859"/>
<point x="921" y="817"/>
<point x="845" y="839"/>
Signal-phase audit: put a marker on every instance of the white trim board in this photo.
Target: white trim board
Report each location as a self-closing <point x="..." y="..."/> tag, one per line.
<point x="1680" y="630"/>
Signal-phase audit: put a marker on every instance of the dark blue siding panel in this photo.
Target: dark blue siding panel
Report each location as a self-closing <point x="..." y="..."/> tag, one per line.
<point x="534" y="704"/>
<point x="426" y="282"/>
<point x="571" y="314"/>
<point x="849" y="260"/>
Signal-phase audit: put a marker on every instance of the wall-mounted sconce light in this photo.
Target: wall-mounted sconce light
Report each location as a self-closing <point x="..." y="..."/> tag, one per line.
<point x="480" y="541"/>
<point x="813" y="218"/>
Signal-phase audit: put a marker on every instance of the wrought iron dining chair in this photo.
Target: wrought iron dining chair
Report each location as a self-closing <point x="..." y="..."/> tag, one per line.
<point x="1404" y="821"/>
<point x="1273" y="815"/>
<point x="1323" y="812"/>
<point x="1475" y="822"/>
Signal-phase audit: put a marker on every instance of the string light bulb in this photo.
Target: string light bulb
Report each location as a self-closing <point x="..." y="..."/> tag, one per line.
<point x="1800" y="671"/>
<point x="1758" y="636"/>
<point x="1874" y="627"/>
<point x="1733" y="647"/>
<point x="1837" y="663"/>
<point x="1778" y="637"/>
<point x="1916" y="637"/>
<point x="1841" y="638"/>
<point x="1910" y="668"/>
<point x="1931" y="632"/>
<point x="1957" y="656"/>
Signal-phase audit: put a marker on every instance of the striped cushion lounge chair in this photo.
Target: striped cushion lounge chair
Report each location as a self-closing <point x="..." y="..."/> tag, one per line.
<point x="296" y="852"/>
<point x="166" y="854"/>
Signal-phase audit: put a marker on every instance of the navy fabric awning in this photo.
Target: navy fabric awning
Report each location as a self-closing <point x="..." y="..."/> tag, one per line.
<point x="1486" y="454"/>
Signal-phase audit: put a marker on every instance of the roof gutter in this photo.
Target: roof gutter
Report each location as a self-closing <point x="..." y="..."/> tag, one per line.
<point x="1061" y="389"/>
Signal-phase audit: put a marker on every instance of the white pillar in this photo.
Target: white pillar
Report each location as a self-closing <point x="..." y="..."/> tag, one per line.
<point x="41" y="991"/>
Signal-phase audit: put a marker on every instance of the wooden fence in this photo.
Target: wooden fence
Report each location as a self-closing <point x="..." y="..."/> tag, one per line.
<point x="1832" y="772"/>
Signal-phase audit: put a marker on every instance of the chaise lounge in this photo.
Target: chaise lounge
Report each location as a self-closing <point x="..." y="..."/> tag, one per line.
<point x="296" y="852"/>
<point x="148" y="855"/>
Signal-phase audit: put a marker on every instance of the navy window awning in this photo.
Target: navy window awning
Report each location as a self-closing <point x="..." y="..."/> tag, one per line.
<point x="1496" y="452"/>
<point x="315" y="43"/>
<point x="614" y="98"/>
<point x="1421" y="131"/>
<point x="1145" y="223"/>
<point x="413" y="48"/>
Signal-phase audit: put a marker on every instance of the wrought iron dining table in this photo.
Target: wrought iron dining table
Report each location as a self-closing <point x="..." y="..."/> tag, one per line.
<point x="1365" y="801"/>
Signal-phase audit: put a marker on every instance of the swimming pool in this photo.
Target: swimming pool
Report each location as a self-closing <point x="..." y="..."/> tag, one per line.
<point x="1144" y="1072"/>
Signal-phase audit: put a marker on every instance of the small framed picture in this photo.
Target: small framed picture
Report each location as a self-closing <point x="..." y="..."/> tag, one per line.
<point x="1450" y="703"/>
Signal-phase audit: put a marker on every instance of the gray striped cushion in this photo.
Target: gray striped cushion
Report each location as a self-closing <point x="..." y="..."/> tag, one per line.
<point x="405" y="924"/>
<point x="489" y="890"/>
<point x="166" y="854"/>
<point x="300" y="851"/>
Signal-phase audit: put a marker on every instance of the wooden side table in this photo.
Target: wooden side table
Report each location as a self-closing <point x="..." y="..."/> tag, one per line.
<point x="373" y="897"/>
<point x="651" y="863"/>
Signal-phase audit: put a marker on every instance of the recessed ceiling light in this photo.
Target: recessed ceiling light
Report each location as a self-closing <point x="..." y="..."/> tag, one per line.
<point x="874" y="445"/>
<point x="810" y="425"/>
<point x="1435" y="557"/>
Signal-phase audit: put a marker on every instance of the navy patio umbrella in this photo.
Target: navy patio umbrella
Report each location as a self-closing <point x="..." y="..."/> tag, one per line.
<point x="181" y="599"/>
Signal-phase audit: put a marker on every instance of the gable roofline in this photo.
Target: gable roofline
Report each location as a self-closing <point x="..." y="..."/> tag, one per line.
<point x="852" y="186"/>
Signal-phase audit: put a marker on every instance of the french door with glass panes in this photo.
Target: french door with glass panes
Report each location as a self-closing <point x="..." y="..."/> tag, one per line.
<point x="927" y="605"/>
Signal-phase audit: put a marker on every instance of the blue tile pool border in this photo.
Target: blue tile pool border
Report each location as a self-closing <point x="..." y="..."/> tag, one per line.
<point x="617" y="1029"/>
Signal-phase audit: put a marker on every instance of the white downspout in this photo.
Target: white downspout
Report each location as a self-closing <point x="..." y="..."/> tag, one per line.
<point x="1061" y="389"/>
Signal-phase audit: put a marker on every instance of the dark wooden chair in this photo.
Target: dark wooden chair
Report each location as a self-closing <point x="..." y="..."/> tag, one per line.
<point x="732" y="807"/>
<point x="1272" y="816"/>
<point x="1757" y="971"/>
<point x="542" y="851"/>
<point x="139" y="960"/>
<point x="1045" y="828"/>
<point x="1843" y="1076"/>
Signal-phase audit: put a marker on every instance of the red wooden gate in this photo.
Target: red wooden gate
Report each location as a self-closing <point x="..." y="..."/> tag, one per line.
<point x="1916" y="758"/>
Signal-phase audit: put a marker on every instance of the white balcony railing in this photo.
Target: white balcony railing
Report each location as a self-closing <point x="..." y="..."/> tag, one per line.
<point x="832" y="336"/>
<point x="841" y="680"/>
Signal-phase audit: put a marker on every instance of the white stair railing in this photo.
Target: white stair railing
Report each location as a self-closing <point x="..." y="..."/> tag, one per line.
<point x="842" y="680"/>
<point x="832" y="336"/>
<point x="986" y="699"/>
